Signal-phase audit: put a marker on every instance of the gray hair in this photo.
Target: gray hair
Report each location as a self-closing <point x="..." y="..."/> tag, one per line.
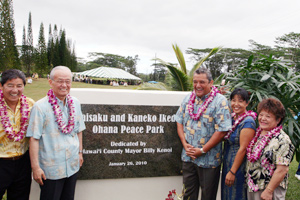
<point x="206" y="71"/>
<point x="59" y="68"/>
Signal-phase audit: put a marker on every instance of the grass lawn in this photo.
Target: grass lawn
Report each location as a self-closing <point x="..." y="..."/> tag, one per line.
<point x="293" y="191"/>
<point x="39" y="87"/>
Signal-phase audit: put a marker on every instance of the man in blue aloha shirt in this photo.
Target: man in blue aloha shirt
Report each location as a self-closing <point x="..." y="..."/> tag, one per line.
<point x="203" y="119"/>
<point x="55" y="133"/>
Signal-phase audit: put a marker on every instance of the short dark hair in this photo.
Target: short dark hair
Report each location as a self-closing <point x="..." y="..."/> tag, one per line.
<point x="12" y="74"/>
<point x="240" y="92"/>
<point x="273" y="106"/>
<point x="206" y="71"/>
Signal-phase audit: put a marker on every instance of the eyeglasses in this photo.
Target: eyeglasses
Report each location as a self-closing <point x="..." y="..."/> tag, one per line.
<point x="61" y="82"/>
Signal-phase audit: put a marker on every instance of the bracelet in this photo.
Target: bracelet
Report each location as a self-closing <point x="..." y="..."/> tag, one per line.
<point x="269" y="189"/>
<point x="202" y="151"/>
<point x="232" y="172"/>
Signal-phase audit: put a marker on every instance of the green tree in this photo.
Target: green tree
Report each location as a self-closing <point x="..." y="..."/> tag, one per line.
<point x="111" y="60"/>
<point x="41" y="60"/>
<point x="144" y="77"/>
<point x="225" y="60"/>
<point x="73" y="60"/>
<point x="290" y="45"/>
<point x="97" y="60"/>
<point x="269" y="77"/>
<point x="63" y="49"/>
<point x="56" y="56"/>
<point x="60" y="50"/>
<point x="159" y="72"/>
<point x="130" y="64"/>
<point x="260" y="49"/>
<point x="81" y="66"/>
<point x="24" y="55"/>
<point x="105" y="59"/>
<point x="9" y="56"/>
<point x="28" y="47"/>
<point x="50" y="48"/>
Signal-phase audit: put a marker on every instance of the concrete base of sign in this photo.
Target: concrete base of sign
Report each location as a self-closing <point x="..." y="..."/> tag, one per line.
<point x="124" y="189"/>
<point x="150" y="188"/>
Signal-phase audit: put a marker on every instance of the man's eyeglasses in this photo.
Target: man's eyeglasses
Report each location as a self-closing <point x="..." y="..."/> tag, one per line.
<point x="60" y="81"/>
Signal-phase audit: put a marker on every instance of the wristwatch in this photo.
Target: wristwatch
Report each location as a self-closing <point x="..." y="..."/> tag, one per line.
<point x="202" y="151"/>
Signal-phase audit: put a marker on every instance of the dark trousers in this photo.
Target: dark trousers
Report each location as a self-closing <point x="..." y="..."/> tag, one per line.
<point x="15" y="177"/>
<point x="61" y="189"/>
<point x="298" y="171"/>
<point x="195" y="177"/>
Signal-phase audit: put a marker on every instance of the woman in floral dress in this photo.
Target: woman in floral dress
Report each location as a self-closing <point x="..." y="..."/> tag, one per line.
<point x="236" y="141"/>
<point x="269" y="154"/>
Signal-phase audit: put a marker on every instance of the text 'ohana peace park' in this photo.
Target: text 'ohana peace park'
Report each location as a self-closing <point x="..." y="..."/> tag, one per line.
<point x="131" y="118"/>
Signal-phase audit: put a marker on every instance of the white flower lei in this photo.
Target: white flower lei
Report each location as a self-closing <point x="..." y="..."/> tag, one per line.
<point x="66" y="129"/>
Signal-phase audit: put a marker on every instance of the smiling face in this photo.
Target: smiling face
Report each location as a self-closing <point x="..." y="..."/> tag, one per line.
<point x="61" y="83"/>
<point x="267" y="120"/>
<point x="12" y="91"/>
<point x="202" y="85"/>
<point x="238" y="105"/>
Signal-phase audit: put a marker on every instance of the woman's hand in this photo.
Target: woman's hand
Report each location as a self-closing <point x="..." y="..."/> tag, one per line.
<point x="278" y="176"/>
<point x="266" y="194"/>
<point x="229" y="179"/>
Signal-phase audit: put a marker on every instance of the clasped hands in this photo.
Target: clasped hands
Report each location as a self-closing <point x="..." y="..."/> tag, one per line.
<point x="192" y="151"/>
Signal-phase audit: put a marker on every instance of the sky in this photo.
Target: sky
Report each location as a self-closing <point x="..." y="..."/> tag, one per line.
<point x="148" y="28"/>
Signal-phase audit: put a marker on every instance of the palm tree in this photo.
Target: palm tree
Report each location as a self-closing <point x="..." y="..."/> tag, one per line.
<point x="181" y="77"/>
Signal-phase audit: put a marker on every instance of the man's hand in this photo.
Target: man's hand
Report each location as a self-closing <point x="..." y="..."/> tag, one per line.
<point x="188" y="149"/>
<point x="39" y="175"/>
<point x="80" y="159"/>
<point x="194" y="152"/>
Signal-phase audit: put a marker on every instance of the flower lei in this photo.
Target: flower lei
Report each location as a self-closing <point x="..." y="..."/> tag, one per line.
<point x="24" y="110"/>
<point x="204" y="106"/>
<point x="239" y="120"/>
<point x="66" y="129"/>
<point x="254" y="154"/>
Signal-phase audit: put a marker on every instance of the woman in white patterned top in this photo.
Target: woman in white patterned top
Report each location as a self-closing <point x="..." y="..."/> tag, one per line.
<point x="269" y="154"/>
